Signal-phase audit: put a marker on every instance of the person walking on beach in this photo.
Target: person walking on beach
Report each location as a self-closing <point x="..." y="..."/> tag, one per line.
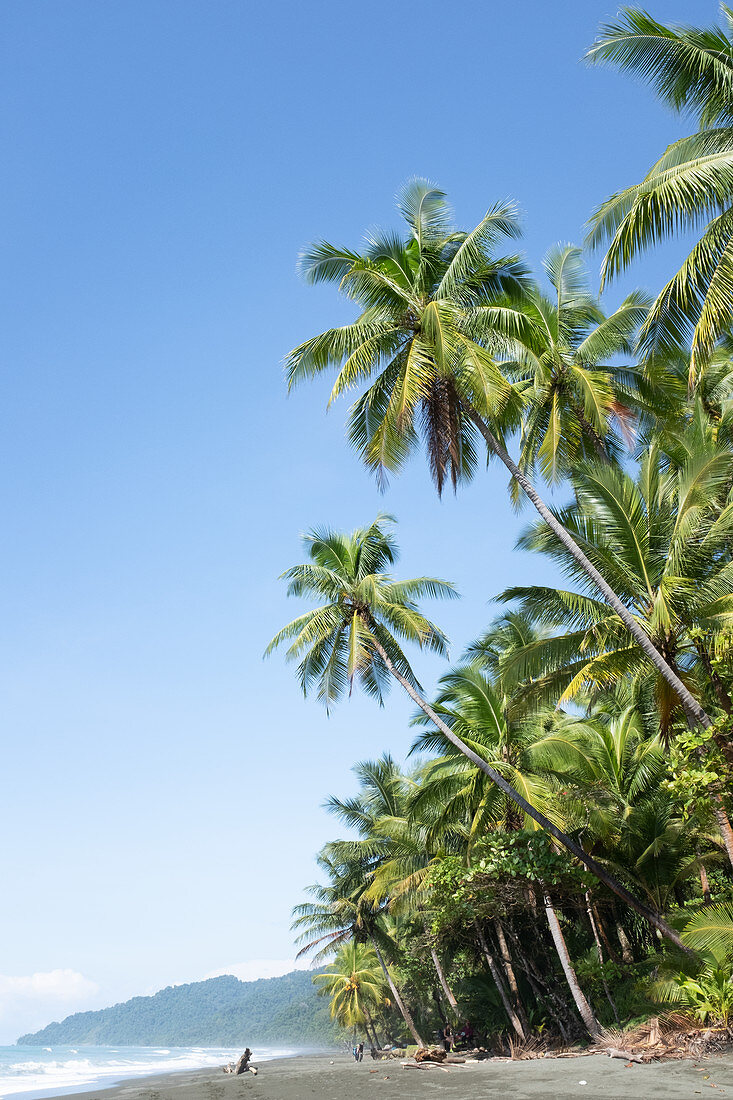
<point x="448" y="1037"/>
<point x="360" y="1053"/>
<point x="355" y="1051"/>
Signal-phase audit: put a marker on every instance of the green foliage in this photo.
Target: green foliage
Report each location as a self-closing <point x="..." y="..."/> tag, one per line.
<point x="697" y="765"/>
<point x="690" y="186"/>
<point x="354" y="635"/>
<point x="355" y="984"/>
<point x="708" y="995"/>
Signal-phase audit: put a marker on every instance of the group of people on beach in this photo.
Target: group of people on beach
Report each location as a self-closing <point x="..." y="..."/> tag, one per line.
<point x="451" y="1040"/>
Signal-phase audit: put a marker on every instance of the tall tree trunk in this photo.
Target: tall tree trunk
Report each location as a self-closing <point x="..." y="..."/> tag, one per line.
<point x="596" y="869"/>
<point x="705" y="885"/>
<point x="623" y="939"/>
<point x="690" y="704"/>
<point x="396" y="994"/>
<point x="586" y="1012"/>
<point x="498" y="982"/>
<point x="612" y="952"/>
<point x="549" y="996"/>
<point x="442" y="979"/>
<point x="510" y="975"/>
<point x="599" y="948"/>
<point x="724" y="825"/>
<point x="369" y="1025"/>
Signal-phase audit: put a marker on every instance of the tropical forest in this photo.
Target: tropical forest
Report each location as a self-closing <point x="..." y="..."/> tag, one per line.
<point x="553" y="862"/>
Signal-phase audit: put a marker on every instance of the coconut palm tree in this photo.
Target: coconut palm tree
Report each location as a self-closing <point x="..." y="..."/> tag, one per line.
<point x="394" y="842"/>
<point x="342" y="912"/>
<point x="575" y="394"/>
<point x="664" y="538"/>
<point x="354" y="637"/>
<point x="689" y="187"/>
<point x="355" y="985"/>
<point x="471" y="705"/>
<point x="437" y="308"/>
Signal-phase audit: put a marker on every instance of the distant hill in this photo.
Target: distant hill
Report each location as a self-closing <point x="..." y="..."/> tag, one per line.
<point x="218" y="1012"/>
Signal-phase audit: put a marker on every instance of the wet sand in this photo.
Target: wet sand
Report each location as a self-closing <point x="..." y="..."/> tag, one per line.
<point x="313" y="1077"/>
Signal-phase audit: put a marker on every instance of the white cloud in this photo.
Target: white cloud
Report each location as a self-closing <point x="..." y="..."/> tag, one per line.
<point x="260" y="968"/>
<point x="29" y="1002"/>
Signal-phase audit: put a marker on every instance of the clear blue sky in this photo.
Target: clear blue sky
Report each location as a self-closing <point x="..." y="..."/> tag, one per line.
<point x="163" y="162"/>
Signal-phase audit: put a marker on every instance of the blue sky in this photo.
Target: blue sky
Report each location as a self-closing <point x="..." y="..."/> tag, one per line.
<point x="163" y="163"/>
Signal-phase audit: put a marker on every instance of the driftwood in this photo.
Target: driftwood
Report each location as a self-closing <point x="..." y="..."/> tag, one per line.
<point x="626" y="1055"/>
<point x="242" y="1066"/>
<point x="432" y="1054"/>
<point x="422" y="1066"/>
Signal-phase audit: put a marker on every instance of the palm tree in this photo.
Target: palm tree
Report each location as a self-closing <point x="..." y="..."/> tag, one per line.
<point x="342" y="912"/>
<point x="436" y="308"/>
<point x="664" y="539"/>
<point x="397" y="846"/>
<point x="690" y="186"/>
<point x="354" y="636"/>
<point x="563" y="365"/>
<point x="471" y="705"/>
<point x="355" y="984"/>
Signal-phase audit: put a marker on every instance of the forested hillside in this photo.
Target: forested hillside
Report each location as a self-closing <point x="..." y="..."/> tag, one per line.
<point x="219" y="1012"/>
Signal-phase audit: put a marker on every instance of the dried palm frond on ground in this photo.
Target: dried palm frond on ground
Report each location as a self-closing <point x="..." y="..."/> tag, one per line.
<point x="672" y="1036"/>
<point x="524" y="1050"/>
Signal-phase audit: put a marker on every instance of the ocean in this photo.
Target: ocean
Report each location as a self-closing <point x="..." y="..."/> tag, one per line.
<point x="35" y="1072"/>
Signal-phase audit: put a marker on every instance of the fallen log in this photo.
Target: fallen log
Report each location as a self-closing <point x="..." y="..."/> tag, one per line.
<point x="614" y="1052"/>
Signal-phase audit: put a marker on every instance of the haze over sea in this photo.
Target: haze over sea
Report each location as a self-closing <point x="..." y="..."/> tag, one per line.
<point x="34" y="1072"/>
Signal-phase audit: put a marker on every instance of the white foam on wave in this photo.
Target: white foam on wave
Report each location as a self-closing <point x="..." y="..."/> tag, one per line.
<point x="39" y="1075"/>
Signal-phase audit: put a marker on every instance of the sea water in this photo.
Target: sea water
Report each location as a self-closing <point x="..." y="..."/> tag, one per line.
<point x="34" y="1072"/>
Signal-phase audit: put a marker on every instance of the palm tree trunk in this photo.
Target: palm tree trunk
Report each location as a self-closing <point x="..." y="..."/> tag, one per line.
<point x="599" y="948"/>
<point x="724" y="825"/>
<point x="705" y="885"/>
<point x="509" y="971"/>
<point x="442" y="979"/>
<point x="623" y="939"/>
<point x="496" y="975"/>
<point x="696" y="714"/>
<point x="369" y="1026"/>
<point x="596" y="869"/>
<point x="612" y="952"/>
<point x="546" y="995"/>
<point x="396" y="994"/>
<point x="690" y="704"/>
<point x="586" y="1012"/>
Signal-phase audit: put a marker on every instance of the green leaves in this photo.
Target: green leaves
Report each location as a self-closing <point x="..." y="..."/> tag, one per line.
<point x="711" y="931"/>
<point x="338" y="643"/>
<point x="691" y="184"/>
<point x="424" y="340"/>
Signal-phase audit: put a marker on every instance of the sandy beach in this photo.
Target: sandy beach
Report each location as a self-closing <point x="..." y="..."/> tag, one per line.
<point x="336" y="1077"/>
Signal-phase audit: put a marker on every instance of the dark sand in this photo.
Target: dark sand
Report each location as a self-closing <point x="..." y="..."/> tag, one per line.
<point x="312" y="1076"/>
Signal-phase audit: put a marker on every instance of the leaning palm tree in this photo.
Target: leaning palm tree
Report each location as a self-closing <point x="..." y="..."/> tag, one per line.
<point x="355" y="636"/>
<point x="690" y="186"/>
<point x="437" y="309"/>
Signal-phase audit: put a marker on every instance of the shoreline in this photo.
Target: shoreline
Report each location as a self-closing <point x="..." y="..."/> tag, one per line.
<point x="333" y="1076"/>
